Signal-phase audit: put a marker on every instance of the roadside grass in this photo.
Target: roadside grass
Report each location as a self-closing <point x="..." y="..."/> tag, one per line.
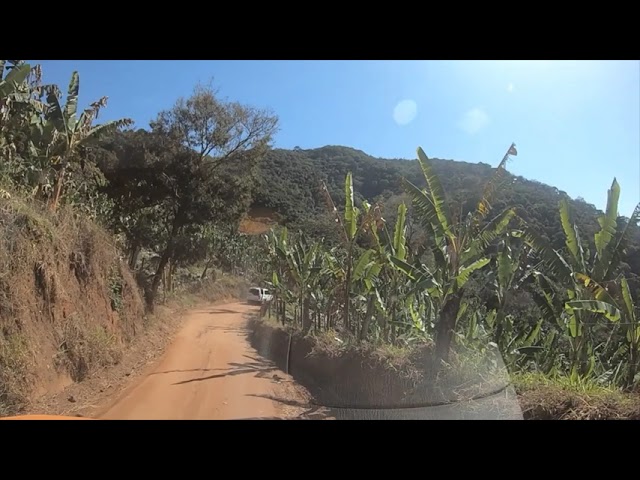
<point x="561" y="398"/>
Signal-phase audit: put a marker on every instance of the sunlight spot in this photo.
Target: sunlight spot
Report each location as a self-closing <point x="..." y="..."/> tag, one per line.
<point x="510" y="88"/>
<point x="405" y="112"/>
<point x="474" y="120"/>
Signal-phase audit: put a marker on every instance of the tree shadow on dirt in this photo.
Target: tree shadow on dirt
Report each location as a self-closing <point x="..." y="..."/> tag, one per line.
<point x="312" y="412"/>
<point x="227" y="329"/>
<point x="188" y="370"/>
<point x="222" y="310"/>
<point x="258" y="366"/>
<point x="267" y="418"/>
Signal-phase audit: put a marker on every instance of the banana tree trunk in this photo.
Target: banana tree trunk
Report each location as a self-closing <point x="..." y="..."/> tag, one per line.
<point x="172" y="271"/>
<point x="316" y="320"/>
<point x="385" y="326"/>
<point x="328" y="314"/>
<point x="580" y="363"/>
<point x="445" y="328"/>
<point x="134" y="254"/>
<point x="499" y="332"/>
<point x="347" y="291"/>
<point x="367" y="320"/>
<point x="284" y="312"/>
<point x="633" y="367"/>
<point x="584" y="357"/>
<point x="306" y="319"/>
<point x="57" y="191"/>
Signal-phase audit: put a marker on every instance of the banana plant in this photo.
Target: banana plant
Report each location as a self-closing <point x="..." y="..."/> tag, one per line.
<point x="458" y="249"/>
<point x="509" y="273"/>
<point x="631" y="326"/>
<point x="57" y="137"/>
<point x="305" y="262"/>
<point x="21" y="104"/>
<point x="277" y="248"/>
<point x="587" y="279"/>
<point x="352" y="223"/>
<point x="11" y="85"/>
<point x="22" y="89"/>
<point x="396" y="304"/>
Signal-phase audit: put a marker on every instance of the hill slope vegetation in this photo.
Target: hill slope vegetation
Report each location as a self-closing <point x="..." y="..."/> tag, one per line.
<point x="290" y="183"/>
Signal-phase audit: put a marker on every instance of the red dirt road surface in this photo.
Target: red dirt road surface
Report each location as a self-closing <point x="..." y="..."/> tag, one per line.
<point x="210" y="372"/>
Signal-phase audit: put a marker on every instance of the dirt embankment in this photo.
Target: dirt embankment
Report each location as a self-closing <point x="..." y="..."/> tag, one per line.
<point x="137" y="358"/>
<point x="258" y="221"/>
<point x="73" y="330"/>
<point x="85" y="398"/>
<point x="68" y="304"/>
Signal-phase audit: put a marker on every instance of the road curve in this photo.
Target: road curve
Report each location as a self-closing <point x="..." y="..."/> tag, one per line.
<point x="210" y="372"/>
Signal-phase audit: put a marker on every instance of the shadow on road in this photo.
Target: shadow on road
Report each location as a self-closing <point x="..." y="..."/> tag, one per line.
<point x="223" y="310"/>
<point x="189" y="370"/>
<point x="313" y="412"/>
<point x="258" y="366"/>
<point x="227" y="329"/>
<point x="266" y="418"/>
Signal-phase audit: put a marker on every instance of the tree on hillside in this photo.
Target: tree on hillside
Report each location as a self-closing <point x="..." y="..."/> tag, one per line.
<point x="219" y="131"/>
<point x="195" y="167"/>
<point x="162" y="192"/>
<point x="224" y="141"/>
<point x="132" y="166"/>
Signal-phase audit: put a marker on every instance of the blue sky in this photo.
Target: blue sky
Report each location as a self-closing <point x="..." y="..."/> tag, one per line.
<point x="576" y="124"/>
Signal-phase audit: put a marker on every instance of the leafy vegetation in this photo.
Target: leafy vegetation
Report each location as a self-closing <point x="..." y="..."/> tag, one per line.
<point x="434" y="253"/>
<point x="579" y="317"/>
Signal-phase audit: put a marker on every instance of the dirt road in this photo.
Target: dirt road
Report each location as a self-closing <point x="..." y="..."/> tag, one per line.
<point x="211" y="372"/>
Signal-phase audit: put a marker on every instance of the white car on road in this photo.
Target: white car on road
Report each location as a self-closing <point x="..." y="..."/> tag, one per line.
<point x="259" y="295"/>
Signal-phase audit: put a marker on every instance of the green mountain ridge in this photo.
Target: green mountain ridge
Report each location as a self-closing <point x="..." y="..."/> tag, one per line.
<point x="290" y="183"/>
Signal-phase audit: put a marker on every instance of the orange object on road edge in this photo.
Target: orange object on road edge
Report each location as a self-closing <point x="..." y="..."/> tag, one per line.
<point x="44" y="417"/>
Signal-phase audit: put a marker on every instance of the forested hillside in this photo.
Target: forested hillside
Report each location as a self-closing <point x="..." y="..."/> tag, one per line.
<point x="290" y="183"/>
